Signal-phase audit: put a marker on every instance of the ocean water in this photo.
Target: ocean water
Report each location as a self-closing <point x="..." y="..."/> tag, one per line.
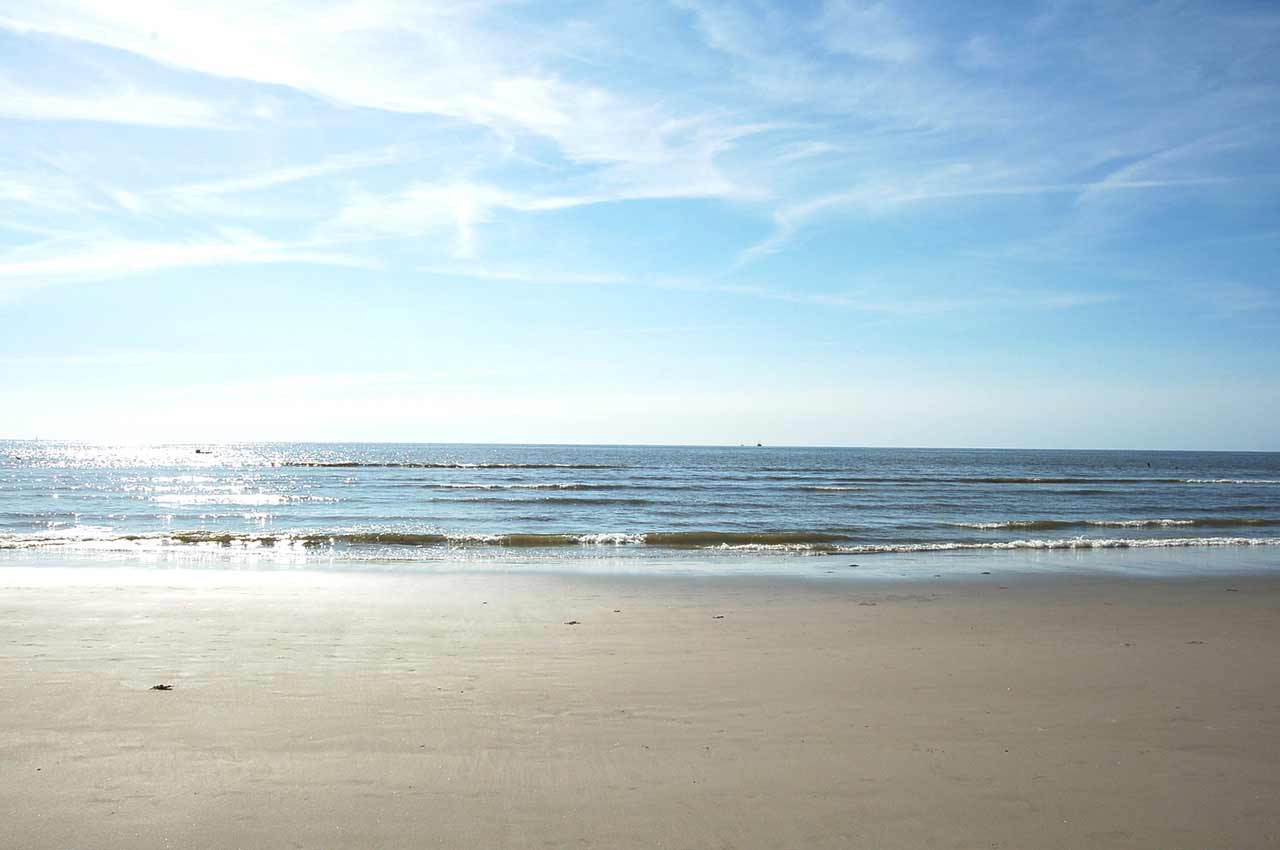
<point x="314" y="504"/>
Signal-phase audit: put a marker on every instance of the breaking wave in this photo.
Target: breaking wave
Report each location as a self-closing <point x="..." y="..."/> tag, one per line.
<point x="1064" y="543"/>
<point x="804" y="542"/>
<point x="1052" y="524"/>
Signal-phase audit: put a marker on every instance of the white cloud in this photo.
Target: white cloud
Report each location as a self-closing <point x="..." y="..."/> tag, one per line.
<point x="734" y="29"/>
<point x="875" y="300"/>
<point x="1231" y="298"/>
<point x="118" y="106"/>
<point x="881" y="198"/>
<point x="192" y="194"/>
<point x="421" y="209"/>
<point x="433" y="58"/>
<point x="60" y="260"/>
<point x="873" y="31"/>
<point x="448" y="59"/>
<point x="980" y="53"/>
<point x="871" y="98"/>
<point x="462" y="205"/>
<point x="523" y="275"/>
<point x="43" y="190"/>
<point x="866" y="299"/>
<point x="808" y="150"/>
<point x="1178" y="165"/>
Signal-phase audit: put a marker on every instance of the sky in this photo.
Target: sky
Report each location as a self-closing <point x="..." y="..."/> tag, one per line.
<point x="1035" y="224"/>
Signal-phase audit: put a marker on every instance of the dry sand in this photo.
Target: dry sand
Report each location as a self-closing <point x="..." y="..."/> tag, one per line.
<point x="343" y="710"/>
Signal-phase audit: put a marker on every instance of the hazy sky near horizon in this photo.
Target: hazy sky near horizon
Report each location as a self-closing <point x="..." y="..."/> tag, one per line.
<point x="862" y="223"/>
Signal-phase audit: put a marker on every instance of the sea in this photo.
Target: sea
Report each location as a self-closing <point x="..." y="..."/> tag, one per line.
<point x="817" y="512"/>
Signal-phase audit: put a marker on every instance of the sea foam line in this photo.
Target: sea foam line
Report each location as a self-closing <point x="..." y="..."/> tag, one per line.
<point x="1051" y="524"/>
<point x="101" y="538"/>
<point x="1060" y="543"/>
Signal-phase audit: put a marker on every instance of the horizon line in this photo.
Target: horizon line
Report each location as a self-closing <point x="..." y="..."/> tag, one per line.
<point x="195" y="443"/>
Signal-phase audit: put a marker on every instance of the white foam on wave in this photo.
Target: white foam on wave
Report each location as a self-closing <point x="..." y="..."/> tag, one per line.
<point x="102" y="538"/>
<point x="1058" y="543"/>
<point x="794" y="548"/>
<point x="1028" y="544"/>
<point x="57" y="533"/>
<point x="1011" y="524"/>
<point x="1140" y="523"/>
<point x="611" y="539"/>
<point x="248" y="499"/>
<point x="448" y="486"/>
<point x="1046" y="524"/>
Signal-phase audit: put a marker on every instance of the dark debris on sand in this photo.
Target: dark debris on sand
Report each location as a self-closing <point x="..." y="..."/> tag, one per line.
<point x="162" y="687"/>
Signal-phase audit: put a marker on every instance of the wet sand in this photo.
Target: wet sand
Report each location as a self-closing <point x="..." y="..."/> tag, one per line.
<point x="346" y="710"/>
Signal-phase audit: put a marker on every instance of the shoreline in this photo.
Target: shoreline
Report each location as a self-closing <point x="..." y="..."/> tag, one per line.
<point x="906" y="568"/>
<point x="347" y="709"/>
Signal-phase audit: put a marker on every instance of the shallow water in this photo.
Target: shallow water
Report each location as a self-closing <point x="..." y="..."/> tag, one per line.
<point x="589" y="507"/>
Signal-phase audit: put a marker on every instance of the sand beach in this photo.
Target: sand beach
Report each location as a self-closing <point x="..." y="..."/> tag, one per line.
<point x="313" y="709"/>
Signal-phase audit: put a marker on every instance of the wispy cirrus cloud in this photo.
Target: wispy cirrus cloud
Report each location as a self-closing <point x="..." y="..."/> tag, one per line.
<point x="43" y="191"/>
<point x="919" y="116"/>
<point x="418" y="210"/>
<point x="66" y="260"/>
<point x="873" y="31"/>
<point x="875" y="300"/>
<point x="466" y="63"/>
<point x="860" y="298"/>
<point x="1232" y="298"/>
<point x="463" y="204"/>
<point x="194" y="194"/>
<point x="120" y="105"/>
<point x="840" y="113"/>
<point x="148" y="110"/>
<point x="525" y="275"/>
<point x="882" y="199"/>
<point x="451" y="60"/>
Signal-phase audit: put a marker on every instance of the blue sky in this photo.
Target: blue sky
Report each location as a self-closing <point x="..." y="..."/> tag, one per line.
<point x="1007" y="224"/>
